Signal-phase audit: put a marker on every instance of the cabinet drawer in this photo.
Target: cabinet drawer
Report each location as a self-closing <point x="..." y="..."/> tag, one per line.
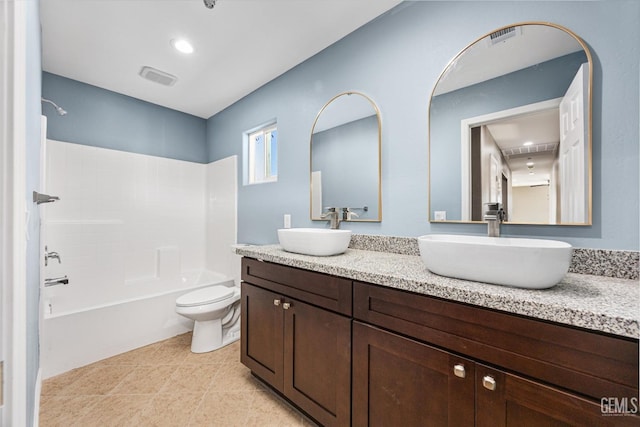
<point x="322" y="290"/>
<point x="589" y="363"/>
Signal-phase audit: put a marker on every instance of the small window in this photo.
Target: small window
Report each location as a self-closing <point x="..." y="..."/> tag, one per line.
<point x="261" y="155"/>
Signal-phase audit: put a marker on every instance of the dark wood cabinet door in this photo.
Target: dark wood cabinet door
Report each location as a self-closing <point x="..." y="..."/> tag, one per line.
<point x="317" y="360"/>
<point x="401" y="382"/>
<point x="589" y="363"/>
<point x="503" y="399"/>
<point x="262" y="334"/>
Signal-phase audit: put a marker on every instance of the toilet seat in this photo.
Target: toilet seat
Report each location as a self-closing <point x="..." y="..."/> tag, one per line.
<point x="204" y="296"/>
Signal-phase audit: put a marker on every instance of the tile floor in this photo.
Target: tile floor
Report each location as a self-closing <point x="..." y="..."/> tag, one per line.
<point x="164" y="384"/>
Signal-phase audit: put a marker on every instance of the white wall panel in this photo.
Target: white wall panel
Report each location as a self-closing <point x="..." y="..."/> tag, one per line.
<point x="116" y="210"/>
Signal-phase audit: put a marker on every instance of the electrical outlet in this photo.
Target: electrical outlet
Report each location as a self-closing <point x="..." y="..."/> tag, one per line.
<point x="440" y="215"/>
<point x="287" y="221"/>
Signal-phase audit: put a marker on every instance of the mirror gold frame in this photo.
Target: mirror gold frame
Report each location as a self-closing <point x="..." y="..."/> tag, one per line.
<point x="588" y="137"/>
<point x="375" y="110"/>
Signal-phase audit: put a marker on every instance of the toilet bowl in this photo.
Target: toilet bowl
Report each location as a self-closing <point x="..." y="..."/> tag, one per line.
<point x="216" y="312"/>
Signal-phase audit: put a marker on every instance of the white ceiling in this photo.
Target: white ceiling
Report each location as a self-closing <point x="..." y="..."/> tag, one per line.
<point x="543" y="130"/>
<point x="239" y="44"/>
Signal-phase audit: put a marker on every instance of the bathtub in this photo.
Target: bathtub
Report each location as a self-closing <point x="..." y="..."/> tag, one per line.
<point x="78" y="331"/>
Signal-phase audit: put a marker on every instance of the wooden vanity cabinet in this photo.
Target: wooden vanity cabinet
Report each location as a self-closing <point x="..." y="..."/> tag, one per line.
<point x="504" y="399"/>
<point x="351" y="353"/>
<point x="517" y="371"/>
<point x="401" y="382"/>
<point x="296" y="337"/>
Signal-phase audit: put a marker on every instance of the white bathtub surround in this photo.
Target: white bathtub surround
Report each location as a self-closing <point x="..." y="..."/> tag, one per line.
<point x="221" y="219"/>
<point x="168" y="262"/>
<point x="118" y="216"/>
<point x="132" y="234"/>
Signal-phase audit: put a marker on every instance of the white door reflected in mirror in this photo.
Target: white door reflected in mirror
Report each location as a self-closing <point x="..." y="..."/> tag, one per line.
<point x="509" y="100"/>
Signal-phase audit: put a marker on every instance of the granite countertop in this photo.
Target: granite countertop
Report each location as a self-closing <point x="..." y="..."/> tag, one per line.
<point x="598" y="303"/>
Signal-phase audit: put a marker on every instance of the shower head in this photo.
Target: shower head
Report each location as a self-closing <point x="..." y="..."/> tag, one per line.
<point x="61" y="111"/>
<point x="209" y="3"/>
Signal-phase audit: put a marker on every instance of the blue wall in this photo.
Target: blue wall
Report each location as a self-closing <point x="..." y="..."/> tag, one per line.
<point x="396" y="60"/>
<point x="101" y="118"/>
<point x="349" y="170"/>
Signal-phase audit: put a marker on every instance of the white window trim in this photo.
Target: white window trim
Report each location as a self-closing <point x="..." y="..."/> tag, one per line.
<point x="247" y="153"/>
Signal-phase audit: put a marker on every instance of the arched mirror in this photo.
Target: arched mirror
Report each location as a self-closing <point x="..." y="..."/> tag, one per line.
<point x="346" y="158"/>
<point x="510" y="123"/>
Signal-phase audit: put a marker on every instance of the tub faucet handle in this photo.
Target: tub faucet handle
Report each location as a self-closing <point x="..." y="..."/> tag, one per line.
<point x="53" y="255"/>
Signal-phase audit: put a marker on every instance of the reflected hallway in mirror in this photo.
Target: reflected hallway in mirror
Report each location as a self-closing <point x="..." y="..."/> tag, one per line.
<point x="510" y="123"/>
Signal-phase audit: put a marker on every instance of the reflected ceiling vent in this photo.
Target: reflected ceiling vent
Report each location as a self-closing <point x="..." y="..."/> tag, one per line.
<point x="532" y="149"/>
<point x="503" y="34"/>
<point x="158" y="76"/>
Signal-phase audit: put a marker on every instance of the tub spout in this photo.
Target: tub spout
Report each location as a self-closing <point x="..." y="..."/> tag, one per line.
<point x="57" y="281"/>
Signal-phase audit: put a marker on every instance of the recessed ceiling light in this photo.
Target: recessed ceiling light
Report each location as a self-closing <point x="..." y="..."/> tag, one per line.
<point x="530" y="163"/>
<point x="181" y="45"/>
<point x="528" y="144"/>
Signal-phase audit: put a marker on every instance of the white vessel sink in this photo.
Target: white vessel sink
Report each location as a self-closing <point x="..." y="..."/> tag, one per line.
<point x="521" y="263"/>
<point x="314" y="241"/>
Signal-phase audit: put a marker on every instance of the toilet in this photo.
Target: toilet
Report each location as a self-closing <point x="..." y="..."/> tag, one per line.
<point x="216" y="312"/>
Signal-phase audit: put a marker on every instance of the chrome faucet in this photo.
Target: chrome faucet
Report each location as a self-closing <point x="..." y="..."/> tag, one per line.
<point x="494" y="215"/>
<point x="332" y="216"/>
<point x="348" y="214"/>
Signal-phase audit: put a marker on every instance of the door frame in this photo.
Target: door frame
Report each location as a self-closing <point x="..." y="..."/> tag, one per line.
<point x="465" y="143"/>
<point x="13" y="344"/>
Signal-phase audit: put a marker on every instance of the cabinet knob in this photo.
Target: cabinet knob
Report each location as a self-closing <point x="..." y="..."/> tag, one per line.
<point x="276" y="302"/>
<point x="489" y="382"/>
<point x="458" y="371"/>
<point x="286" y="305"/>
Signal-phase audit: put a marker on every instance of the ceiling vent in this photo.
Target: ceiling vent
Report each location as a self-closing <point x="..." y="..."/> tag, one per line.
<point x="548" y="147"/>
<point x="502" y="35"/>
<point x="158" y="76"/>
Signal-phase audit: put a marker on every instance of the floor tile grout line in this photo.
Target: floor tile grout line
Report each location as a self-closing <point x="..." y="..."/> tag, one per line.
<point x="121" y="381"/>
<point x="195" y="411"/>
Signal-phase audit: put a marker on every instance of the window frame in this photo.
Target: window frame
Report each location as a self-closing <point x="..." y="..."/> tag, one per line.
<point x="249" y="151"/>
